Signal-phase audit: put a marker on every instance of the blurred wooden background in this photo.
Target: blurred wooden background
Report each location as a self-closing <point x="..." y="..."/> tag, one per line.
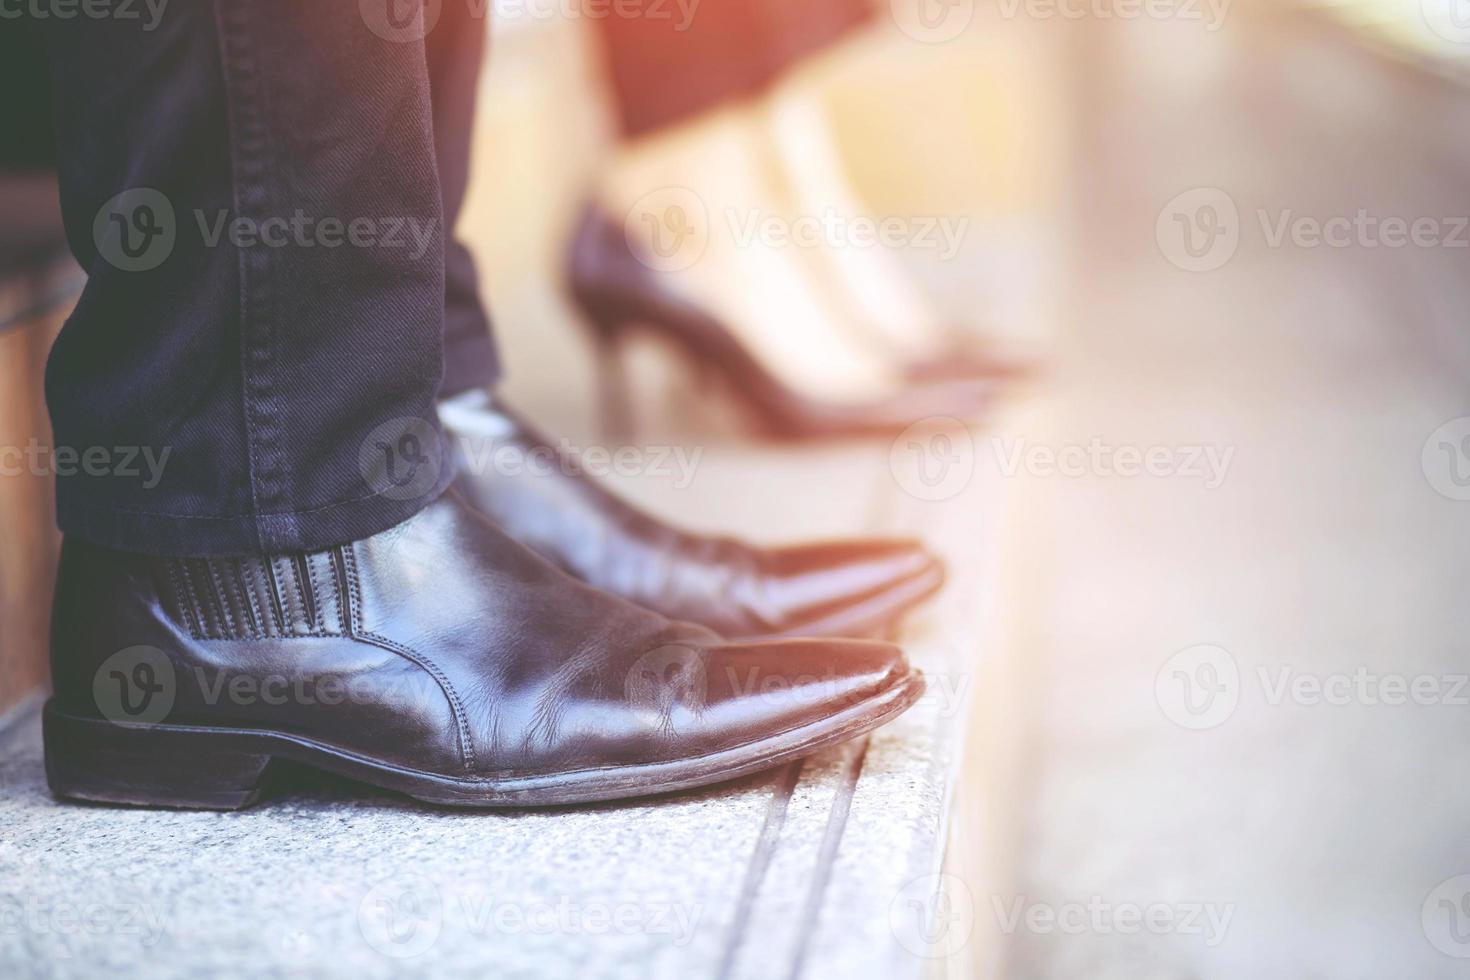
<point x="29" y="320"/>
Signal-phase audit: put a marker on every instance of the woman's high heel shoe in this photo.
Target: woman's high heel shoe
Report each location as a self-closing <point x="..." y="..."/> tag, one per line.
<point x="618" y="294"/>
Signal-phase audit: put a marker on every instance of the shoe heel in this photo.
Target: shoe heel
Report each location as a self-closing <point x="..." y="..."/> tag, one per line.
<point x="154" y="766"/>
<point x="614" y="389"/>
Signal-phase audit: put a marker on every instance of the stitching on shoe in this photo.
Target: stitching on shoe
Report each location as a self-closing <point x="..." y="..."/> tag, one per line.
<point x="466" y="746"/>
<point x="314" y="610"/>
<point x="294" y="574"/>
<point x="206" y="624"/>
<point x="341" y="589"/>
<point x="252" y="605"/>
<point x="234" y="615"/>
<point x="354" y="597"/>
<point x="181" y="600"/>
<point x="222" y="599"/>
<point x="278" y="616"/>
<point x="216" y="603"/>
<point x="190" y="598"/>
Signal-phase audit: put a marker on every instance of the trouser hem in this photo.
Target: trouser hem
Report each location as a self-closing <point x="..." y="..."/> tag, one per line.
<point x="172" y="535"/>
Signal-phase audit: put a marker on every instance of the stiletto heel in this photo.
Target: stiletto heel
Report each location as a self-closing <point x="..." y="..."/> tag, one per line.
<point x="705" y="405"/>
<point x="614" y="390"/>
<point x="158" y="765"/>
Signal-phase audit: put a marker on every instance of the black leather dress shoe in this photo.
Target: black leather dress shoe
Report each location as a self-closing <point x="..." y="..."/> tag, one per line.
<point x="439" y="659"/>
<point x="537" y="494"/>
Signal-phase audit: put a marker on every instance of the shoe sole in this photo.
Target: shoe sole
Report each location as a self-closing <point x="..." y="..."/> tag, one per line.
<point x="196" y="768"/>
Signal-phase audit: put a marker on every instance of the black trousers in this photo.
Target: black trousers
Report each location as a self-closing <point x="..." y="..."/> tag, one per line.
<point x="261" y="193"/>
